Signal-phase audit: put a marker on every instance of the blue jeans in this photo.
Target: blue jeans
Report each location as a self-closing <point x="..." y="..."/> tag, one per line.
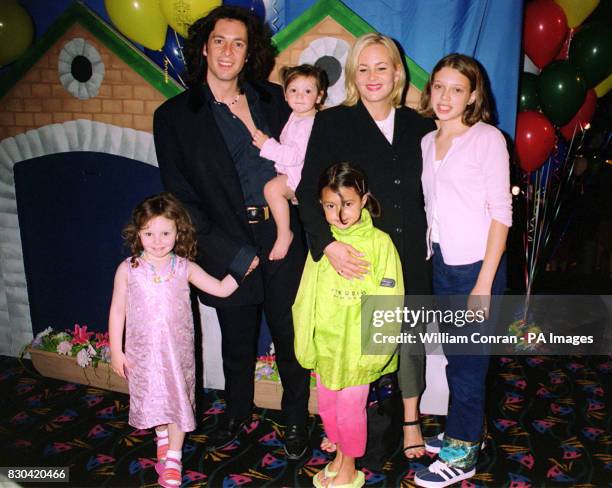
<point x="466" y="375"/>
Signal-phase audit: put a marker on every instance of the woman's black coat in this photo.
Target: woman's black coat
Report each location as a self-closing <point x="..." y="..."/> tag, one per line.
<point x="349" y="134"/>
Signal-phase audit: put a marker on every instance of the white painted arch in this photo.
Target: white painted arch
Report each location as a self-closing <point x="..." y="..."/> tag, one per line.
<point x="74" y="135"/>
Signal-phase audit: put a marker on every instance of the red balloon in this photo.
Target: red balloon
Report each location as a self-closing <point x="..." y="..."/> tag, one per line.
<point x="563" y="53"/>
<point x="582" y="117"/>
<point x="544" y="32"/>
<point x="535" y="139"/>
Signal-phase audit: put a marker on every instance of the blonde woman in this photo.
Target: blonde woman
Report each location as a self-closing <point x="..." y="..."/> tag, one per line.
<point x="375" y="132"/>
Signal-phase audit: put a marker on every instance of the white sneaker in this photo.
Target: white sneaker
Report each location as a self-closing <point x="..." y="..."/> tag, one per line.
<point x="439" y="475"/>
<point x="434" y="444"/>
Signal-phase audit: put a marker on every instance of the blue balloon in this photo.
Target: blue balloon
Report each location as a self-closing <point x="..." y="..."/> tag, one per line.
<point x="170" y="56"/>
<point x="255" y="6"/>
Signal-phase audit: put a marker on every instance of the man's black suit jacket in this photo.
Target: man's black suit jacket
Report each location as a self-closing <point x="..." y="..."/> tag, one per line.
<point x="197" y="168"/>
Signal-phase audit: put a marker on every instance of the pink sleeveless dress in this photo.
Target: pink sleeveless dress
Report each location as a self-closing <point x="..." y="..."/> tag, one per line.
<point x="159" y="348"/>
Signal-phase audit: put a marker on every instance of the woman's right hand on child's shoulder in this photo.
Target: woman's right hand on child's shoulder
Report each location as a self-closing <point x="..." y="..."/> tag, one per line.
<point x="346" y="260"/>
<point x="119" y="363"/>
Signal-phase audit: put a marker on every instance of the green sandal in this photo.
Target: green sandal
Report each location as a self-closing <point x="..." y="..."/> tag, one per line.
<point x="358" y="482"/>
<point x="327" y="474"/>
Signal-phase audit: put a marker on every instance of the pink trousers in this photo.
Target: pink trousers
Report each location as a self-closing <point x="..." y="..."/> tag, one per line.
<point x="344" y="417"/>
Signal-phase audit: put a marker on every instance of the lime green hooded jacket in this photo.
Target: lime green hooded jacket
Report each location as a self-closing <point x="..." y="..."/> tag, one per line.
<point x="327" y="313"/>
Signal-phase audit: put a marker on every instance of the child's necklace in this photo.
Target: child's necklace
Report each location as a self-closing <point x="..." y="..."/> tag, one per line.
<point x="156" y="277"/>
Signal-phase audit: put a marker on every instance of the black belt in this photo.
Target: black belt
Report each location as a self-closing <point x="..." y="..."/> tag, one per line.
<point x="257" y="213"/>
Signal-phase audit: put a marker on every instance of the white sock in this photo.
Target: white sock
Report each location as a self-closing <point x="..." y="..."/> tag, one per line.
<point x="162" y="440"/>
<point x="174" y="455"/>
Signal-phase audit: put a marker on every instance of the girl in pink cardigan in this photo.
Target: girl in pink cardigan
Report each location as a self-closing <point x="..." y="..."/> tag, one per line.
<point x="466" y="185"/>
<point x="305" y="88"/>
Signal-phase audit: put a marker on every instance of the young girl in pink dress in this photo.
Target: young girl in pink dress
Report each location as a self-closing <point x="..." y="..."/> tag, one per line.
<point x="305" y="89"/>
<point x="151" y="302"/>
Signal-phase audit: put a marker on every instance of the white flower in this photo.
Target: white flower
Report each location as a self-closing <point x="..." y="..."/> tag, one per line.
<point x="105" y="354"/>
<point x="63" y="336"/>
<point x="83" y="358"/>
<point x="39" y="337"/>
<point x="91" y="351"/>
<point x="64" y="347"/>
<point x="45" y="332"/>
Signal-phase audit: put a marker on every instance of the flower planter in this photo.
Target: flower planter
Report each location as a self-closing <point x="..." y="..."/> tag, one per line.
<point x="60" y="367"/>
<point x="268" y="394"/>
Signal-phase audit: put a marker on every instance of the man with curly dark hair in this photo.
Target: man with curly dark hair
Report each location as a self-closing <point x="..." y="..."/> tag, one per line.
<point x="203" y="139"/>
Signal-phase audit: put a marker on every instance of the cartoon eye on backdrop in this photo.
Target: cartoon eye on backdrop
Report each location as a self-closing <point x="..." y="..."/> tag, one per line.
<point x="80" y="69"/>
<point x="329" y="54"/>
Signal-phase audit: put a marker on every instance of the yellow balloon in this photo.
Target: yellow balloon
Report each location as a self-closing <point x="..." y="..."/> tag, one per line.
<point x="139" y="20"/>
<point x="180" y="14"/>
<point x="577" y="10"/>
<point x="603" y="87"/>
<point x="16" y="31"/>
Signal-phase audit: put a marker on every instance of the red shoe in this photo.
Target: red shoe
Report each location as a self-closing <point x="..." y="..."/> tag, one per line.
<point x="162" y="451"/>
<point x="171" y="477"/>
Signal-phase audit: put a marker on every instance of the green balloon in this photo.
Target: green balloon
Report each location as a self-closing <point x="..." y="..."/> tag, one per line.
<point x="528" y="99"/>
<point x="16" y="31"/>
<point x="591" y="52"/>
<point x="561" y="88"/>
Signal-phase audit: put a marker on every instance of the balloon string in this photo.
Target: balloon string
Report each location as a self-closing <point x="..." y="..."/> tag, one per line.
<point x="167" y="63"/>
<point x="530" y="244"/>
<point x="526" y="244"/>
<point x="536" y="219"/>
<point x="526" y="233"/>
<point x="545" y="190"/>
<point x="562" y="236"/>
<point x="557" y="204"/>
<point x="545" y="220"/>
<point x="568" y="171"/>
<point x="528" y="239"/>
<point x="180" y="48"/>
<point x="546" y="223"/>
<point x="538" y="226"/>
<point x="544" y="204"/>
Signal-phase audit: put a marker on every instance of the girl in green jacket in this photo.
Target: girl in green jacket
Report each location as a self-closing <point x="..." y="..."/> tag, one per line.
<point x="327" y="316"/>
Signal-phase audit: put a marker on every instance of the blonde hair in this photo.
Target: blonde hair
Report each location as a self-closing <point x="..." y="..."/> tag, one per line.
<point x="352" y="63"/>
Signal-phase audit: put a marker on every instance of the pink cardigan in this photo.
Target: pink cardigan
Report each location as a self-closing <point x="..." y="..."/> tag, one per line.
<point x="471" y="187"/>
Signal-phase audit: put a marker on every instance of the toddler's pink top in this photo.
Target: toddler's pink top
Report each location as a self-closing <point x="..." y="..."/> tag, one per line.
<point x="470" y="188"/>
<point x="288" y="155"/>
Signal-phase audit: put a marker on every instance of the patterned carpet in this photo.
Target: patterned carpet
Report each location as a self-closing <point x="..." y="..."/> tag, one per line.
<point x="548" y="421"/>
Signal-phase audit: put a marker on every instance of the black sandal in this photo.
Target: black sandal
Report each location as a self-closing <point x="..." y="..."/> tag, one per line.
<point x="415" y="446"/>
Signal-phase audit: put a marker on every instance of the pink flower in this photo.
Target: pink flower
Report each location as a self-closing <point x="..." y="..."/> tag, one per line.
<point x="80" y="334"/>
<point x="64" y="347"/>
